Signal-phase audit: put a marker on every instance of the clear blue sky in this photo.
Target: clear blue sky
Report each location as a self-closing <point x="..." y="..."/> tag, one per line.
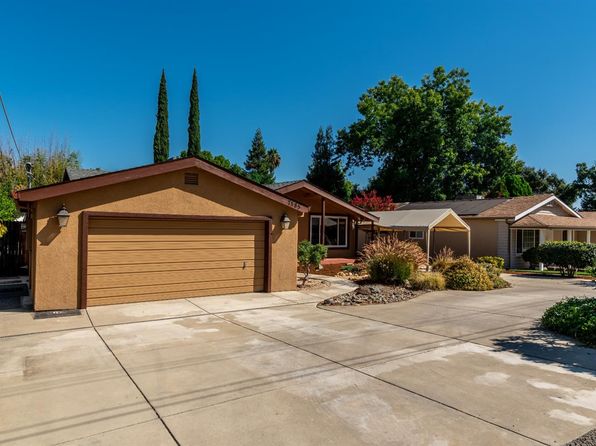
<point x="90" y="73"/>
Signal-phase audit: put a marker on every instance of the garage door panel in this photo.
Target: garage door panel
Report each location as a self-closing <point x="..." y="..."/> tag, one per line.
<point x="160" y="296"/>
<point x="164" y="256"/>
<point x="173" y="225"/>
<point x="176" y="236"/>
<point x="95" y="281"/>
<point x="166" y="245"/>
<point x="133" y="260"/>
<point x="137" y="292"/>
<point x="170" y="266"/>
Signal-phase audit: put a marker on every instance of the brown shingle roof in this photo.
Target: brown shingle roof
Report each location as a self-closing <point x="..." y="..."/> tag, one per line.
<point x="514" y="206"/>
<point x="555" y="221"/>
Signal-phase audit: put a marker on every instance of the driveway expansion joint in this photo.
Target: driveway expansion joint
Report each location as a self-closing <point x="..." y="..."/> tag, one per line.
<point x="471" y="340"/>
<point x="134" y="382"/>
<point x="376" y="377"/>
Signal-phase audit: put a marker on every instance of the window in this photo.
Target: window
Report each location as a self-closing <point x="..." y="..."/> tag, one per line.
<point x="335" y="232"/>
<point x="526" y="239"/>
<point x="416" y="235"/>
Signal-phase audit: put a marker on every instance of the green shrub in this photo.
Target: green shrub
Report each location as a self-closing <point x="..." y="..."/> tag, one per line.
<point x="494" y="274"/>
<point x="531" y="256"/>
<point x="465" y="274"/>
<point x="427" y="281"/>
<point x="442" y="260"/>
<point x="389" y="268"/>
<point x="567" y="256"/>
<point x="310" y="256"/>
<point x="352" y="268"/>
<point x="498" y="262"/>
<point x="574" y="316"/>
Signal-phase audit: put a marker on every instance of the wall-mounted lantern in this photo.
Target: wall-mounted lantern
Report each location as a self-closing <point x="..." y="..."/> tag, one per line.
<point x="285" y="221"/>
<point x="63" y="216"/>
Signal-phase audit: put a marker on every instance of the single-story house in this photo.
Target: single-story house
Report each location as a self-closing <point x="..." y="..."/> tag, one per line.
<point x="339" y="230"/>
<point x="182" y="228"/>
<point x="506" y="227"/>
<point x="432" y="229"/>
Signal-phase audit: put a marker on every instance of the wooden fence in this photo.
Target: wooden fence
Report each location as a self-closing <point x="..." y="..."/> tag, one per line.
<point x="12" y="250"/>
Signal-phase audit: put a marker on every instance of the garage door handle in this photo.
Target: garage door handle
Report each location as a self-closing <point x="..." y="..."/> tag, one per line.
<point x="243" y="265"/>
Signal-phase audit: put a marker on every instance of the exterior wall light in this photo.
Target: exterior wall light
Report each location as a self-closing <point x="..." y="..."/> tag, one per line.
<point x="285" y="221"/>
<point x="63" y="216"/>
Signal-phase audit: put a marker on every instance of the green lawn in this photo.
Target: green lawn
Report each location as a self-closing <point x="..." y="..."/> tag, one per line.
<point x="582" y="274"/>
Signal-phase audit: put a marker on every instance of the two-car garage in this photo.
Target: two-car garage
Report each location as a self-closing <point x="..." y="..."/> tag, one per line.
<point x="148" y="233"/>
<point x="134" y="259"/>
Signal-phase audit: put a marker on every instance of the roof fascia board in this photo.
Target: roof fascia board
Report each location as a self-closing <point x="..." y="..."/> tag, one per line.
<point x="107" y="179"/>
<point x="311" y="187"/>
<point x="445" y="214"/>
<point x="542" y="203"/>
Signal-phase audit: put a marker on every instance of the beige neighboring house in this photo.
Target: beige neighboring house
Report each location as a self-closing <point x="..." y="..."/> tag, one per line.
<point x="507" y="227"/>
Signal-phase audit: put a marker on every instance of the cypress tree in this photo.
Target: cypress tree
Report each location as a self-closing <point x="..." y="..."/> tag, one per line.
<point x="194" y="127"/>
<point x="161" y="140"/>
<point x="325" y="170"/>
<point x="261" y="162"/>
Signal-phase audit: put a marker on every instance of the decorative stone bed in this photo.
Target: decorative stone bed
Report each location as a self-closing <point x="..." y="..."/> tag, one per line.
<point x="312" y="284"/>
<point x="373" y="294"/>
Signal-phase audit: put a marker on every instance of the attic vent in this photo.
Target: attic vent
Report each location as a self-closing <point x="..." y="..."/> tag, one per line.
<point x="191" y="178"/>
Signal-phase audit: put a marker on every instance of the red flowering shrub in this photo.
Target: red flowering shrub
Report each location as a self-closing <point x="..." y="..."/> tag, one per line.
<point x="370" y="201"/>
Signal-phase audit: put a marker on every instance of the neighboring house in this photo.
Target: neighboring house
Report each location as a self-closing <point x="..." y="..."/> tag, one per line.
<point x="71" y="174"/>
<point x="432" y="229"/>
<point x="182" y="228"/>
<point x="506" y="227"/>
<point x="331" y="220"/>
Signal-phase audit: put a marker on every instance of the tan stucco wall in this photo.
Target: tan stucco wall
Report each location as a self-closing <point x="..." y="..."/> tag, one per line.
<point x="56" y="257"/>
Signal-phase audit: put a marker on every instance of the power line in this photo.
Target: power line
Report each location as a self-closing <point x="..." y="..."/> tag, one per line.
<point x="10" y="126"/>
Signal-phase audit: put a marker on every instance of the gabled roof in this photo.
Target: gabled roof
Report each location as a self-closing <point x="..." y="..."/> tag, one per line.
<point x="509" y="208"/>
<point x="289" y="186"/>
<point x="536" y="221"/>
<point x="464" y="208"/>
<point x="136" y="173"/>
<point x="282" y="184"/>
<point x="71" y="173"/>
<point x="420" y="218"/>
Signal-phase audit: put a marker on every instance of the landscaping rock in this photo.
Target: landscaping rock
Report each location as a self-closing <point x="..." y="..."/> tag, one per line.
<point x="373" y="294"/>
<point x="588" y="439"/>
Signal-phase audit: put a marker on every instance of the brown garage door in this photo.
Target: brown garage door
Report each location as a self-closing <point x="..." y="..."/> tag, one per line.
<point x="134" y="260"/>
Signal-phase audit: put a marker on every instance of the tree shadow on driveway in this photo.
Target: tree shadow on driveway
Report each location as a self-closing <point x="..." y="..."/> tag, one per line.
<point x="545" y="347"/>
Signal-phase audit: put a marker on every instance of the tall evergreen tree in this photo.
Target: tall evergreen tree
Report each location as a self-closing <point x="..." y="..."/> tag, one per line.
<point x="161" y="140"/>
<point x="325" y="169"/>
<point x="261" y="162"/>
<point x="194" y="127"/>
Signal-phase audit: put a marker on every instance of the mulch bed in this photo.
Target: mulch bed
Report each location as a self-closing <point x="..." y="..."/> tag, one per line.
<point x="373" y="294"/>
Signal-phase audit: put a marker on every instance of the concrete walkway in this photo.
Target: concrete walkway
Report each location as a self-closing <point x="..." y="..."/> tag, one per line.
<point x="447" y="368"/>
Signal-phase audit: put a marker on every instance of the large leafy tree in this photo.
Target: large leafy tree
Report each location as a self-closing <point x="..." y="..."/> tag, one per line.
<point x="433" y="141"/>
<point x="161" y="139"/>
<point x="542" y="181"/>
<point x="194" y="127"/>
<point x="585" y="185"/>
<point x="47" y="166"/>
<point x="261" y="161"/>
<point x="326" y="170"/>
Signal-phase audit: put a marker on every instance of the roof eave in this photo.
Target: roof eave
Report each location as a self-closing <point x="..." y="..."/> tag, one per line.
<point x="110" y="178"/>
<point x="306" y="185"/>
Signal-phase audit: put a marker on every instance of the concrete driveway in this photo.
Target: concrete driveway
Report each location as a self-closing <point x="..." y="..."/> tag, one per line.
<point x="448" y="368"/>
